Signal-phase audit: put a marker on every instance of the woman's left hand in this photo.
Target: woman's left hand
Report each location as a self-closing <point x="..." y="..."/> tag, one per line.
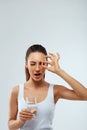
<point x="52" y="64"/>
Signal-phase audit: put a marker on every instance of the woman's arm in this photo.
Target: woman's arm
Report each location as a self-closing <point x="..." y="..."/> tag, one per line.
<point x="13" y="122"/>
<point x="78" y="88"/>
<point x="78" y="92"/>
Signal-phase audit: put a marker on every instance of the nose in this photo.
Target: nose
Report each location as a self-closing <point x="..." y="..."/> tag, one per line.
<point x="37" y="67"/>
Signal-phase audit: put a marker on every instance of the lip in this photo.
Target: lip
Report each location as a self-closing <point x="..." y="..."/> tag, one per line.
<point x="37" y="75"/>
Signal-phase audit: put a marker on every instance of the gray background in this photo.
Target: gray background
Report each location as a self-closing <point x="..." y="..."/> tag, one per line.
<point x="61" y="26"/>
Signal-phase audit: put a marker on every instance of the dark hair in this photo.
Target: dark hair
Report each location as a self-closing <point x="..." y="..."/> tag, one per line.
<point x="33" y="48"/>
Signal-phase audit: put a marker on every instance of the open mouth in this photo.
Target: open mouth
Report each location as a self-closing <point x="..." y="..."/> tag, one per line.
<point x="37" y="75"/>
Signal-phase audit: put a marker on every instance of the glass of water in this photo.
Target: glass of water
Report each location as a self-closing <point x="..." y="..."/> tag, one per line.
<point x="31" y="102"/>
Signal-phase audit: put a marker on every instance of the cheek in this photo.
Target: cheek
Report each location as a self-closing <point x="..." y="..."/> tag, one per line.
<point x="31" y="69"/>
<point x="43" y="70"/>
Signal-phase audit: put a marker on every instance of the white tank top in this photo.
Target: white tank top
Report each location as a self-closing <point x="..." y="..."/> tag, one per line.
<point x="45" y="111"/>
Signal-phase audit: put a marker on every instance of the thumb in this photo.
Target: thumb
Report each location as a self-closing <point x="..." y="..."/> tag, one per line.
<point x="33" y="110"/>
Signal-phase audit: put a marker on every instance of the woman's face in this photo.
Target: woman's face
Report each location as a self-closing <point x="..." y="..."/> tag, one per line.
<point x="34" y="65"/>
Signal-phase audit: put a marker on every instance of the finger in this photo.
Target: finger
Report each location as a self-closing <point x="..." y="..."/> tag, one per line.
<point x="51" y="54"/>
<point x="33" y="111"/>
<point x="25" y="113"/>
<point x="25" y="110"/>
<point x="57" y="54"/>
<point x="26" y="116"/>
<point x="49" y="57"/>
<point x="46" y="63"/>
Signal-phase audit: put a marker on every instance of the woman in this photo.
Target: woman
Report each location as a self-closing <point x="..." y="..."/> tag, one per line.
<point x="37" y="61"/>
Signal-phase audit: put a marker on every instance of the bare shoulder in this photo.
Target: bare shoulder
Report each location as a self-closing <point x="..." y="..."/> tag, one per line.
<point x="58" y="89"/>
<point x="14" y="91"/>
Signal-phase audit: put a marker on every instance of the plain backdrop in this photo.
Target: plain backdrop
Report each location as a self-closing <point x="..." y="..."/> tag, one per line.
<point x="59" y="25"/>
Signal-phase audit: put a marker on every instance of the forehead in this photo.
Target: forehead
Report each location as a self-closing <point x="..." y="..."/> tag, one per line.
<point x="36" y="56"/>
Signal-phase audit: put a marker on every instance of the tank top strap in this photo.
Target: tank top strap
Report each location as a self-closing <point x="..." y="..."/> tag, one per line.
<point x="21" y="91"/>
<point x="51" y="86"/>
<point x="51" y="92"/>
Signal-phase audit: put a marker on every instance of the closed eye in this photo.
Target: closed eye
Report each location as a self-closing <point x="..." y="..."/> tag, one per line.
<point x="32" y="63"/>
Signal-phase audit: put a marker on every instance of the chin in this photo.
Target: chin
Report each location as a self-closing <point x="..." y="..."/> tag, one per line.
<point x="38" y="79"/>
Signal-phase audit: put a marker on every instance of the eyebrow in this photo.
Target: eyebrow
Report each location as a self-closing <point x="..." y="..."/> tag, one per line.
<point x="31" y="61"/>
<point x="36" y="61"/>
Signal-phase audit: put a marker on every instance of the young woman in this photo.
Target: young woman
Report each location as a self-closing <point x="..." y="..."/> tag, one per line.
<point x="47" y="95"/>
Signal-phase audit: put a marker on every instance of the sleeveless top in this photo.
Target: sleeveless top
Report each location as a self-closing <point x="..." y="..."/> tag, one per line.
<point x="44" y="114"/>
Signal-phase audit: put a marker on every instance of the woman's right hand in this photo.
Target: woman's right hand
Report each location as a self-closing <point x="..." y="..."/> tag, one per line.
<point x="26" y="114"/>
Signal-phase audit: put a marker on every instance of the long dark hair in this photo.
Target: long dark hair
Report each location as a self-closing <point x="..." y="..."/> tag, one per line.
<point x="33" y="48"/>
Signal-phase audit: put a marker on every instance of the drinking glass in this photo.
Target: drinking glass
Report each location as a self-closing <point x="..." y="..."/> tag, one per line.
<point x="31" y="102"/>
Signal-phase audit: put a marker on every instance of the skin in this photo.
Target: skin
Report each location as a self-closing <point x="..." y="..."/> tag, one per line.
<point x="37" y="65"/>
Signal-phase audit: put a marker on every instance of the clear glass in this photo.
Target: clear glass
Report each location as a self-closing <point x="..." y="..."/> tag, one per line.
<point x="31" y="103"/>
